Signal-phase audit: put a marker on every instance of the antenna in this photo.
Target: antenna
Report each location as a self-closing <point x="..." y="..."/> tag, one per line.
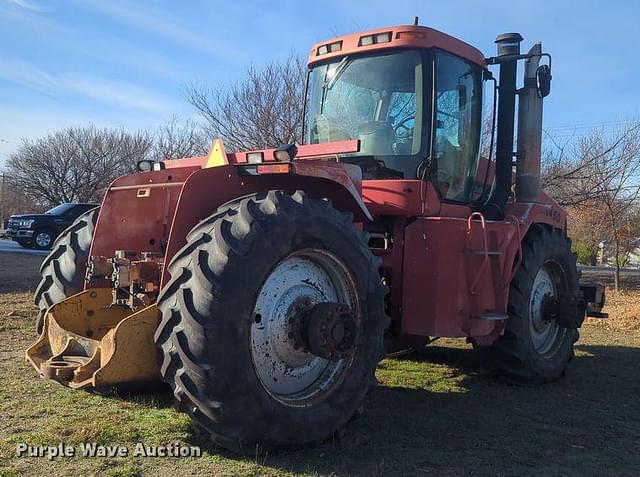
<point x="415" y="21"/>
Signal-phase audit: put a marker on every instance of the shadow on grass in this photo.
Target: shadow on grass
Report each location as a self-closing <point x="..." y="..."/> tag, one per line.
<point x="586" y="423"/>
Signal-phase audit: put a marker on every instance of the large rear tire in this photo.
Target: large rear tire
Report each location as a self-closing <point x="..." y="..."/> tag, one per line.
<point x="535" y="346"/>
<point x="63" y="270"/>
<point x="237" y="290"/>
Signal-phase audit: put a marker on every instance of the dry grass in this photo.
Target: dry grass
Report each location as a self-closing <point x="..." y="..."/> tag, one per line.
<point x="19" y="272"/>
<point x="624" y="311"/>
<point x="435" y="413"/>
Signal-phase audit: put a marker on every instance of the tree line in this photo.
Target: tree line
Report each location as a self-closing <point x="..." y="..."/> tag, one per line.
<point x="77" y="164"/>
<point x="595" y="176"/>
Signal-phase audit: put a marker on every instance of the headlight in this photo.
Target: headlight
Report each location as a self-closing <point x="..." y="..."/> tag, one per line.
<point x="286" y="153"/>
<point x="255" y="157"/>
<point x="27" y="223"/>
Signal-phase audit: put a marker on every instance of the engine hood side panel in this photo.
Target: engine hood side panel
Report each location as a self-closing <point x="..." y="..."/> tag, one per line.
<point x="137" y="211"/>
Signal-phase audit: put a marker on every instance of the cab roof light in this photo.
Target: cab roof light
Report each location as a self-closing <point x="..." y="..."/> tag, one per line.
<point x="416" y="35"/>
<point x="375" y="39"/>
<point x="329" y="48"/>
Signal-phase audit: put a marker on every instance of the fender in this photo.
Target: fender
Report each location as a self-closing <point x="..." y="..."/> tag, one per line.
<point x="206" y="189"/>
<point x="547" y="211"/>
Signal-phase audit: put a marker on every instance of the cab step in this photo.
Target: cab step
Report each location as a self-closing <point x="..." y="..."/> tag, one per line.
<point x="493" y="316"/>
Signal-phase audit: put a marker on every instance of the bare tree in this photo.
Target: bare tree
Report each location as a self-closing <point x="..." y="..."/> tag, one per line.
<point x="12" y="201"/>
<point x="75" y="164"/>
<point x="568" y="165"/>
<point x="487" y="133"/>
<point x="614" y="179"/>
<point x="264" y="109"/>
<point x="176" y="140"/>
<point x="600" y="172"/>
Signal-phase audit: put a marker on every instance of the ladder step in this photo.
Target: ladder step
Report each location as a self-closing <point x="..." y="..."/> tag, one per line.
<point x="493" y="316"/>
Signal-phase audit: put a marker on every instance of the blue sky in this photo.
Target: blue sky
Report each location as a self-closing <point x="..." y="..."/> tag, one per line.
<point x="117" y="63"/>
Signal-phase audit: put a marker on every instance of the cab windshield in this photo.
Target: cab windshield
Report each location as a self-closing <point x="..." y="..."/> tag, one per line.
<point x="376" y="99"/>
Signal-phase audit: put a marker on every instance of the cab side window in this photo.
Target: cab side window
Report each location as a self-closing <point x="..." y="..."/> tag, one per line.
<point x="458" y="107"/>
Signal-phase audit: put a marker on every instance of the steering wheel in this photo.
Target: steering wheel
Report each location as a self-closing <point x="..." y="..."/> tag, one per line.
<point x="402" y="131"/>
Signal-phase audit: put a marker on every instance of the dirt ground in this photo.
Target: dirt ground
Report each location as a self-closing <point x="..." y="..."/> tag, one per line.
<point x="434" y="413"/>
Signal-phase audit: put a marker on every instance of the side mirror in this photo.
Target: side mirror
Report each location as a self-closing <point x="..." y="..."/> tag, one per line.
<point x="543" y="80"/>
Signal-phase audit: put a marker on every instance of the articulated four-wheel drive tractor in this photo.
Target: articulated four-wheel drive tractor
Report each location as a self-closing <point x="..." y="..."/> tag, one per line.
<point x="265" y="286"/>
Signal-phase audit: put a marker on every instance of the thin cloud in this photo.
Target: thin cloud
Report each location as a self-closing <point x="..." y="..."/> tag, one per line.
<point x="73" y="42"/>
<point x="149" y="21"/>
<point x="116" y="93"/>
<point x="31" y="6"/>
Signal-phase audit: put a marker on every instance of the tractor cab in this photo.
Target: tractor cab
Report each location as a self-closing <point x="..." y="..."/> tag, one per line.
<point x="411" y="105"/>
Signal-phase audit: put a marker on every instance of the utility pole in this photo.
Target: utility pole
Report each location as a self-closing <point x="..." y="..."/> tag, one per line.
<point x="3" y="204"/>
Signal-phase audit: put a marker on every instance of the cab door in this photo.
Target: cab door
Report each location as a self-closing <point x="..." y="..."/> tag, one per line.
<point x="453" y="278"/>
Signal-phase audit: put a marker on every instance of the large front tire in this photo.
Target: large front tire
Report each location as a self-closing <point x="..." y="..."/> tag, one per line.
<point x="251" y="267"/>
<point x="63" y="270"/>
<point x="535" y="346"/>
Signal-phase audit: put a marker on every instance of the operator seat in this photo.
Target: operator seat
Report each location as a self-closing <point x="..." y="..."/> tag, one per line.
<point x="376" y="138"/>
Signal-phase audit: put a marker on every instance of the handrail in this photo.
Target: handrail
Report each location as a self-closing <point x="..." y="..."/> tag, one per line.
<point x="485" y="259"/>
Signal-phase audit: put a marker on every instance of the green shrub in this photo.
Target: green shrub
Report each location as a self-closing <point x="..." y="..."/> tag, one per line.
<point x="623" y="260"/>
<point x="587" y="252"/>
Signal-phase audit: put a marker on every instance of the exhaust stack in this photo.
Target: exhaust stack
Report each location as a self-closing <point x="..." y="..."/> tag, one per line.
<point x="508" y="52"/>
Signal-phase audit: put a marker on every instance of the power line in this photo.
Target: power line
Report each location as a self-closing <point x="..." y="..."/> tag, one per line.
<point x="582" y="134"/>
<point x="590" y="125"/>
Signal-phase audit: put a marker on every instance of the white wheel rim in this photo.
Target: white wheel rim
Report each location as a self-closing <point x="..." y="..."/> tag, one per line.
<point x="43" y="239"/>
<point x="301" y="280"/>
<point x="544" y="332"/>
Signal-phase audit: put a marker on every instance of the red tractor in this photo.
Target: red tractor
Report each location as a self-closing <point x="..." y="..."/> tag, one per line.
<point x="264" y="287"/>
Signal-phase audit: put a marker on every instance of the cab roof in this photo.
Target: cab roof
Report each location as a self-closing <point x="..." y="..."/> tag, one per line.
<point x="401" y="36"/>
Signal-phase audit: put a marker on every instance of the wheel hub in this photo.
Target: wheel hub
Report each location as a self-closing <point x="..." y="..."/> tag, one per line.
<point x="327" y="330"/>
<point x="549" y="310"/>
<point x="543" y="311"/>
<point x="304" y="328"/>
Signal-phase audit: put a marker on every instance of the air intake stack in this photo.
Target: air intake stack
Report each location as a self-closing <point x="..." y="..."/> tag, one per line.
<point x="530" y="127"/>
